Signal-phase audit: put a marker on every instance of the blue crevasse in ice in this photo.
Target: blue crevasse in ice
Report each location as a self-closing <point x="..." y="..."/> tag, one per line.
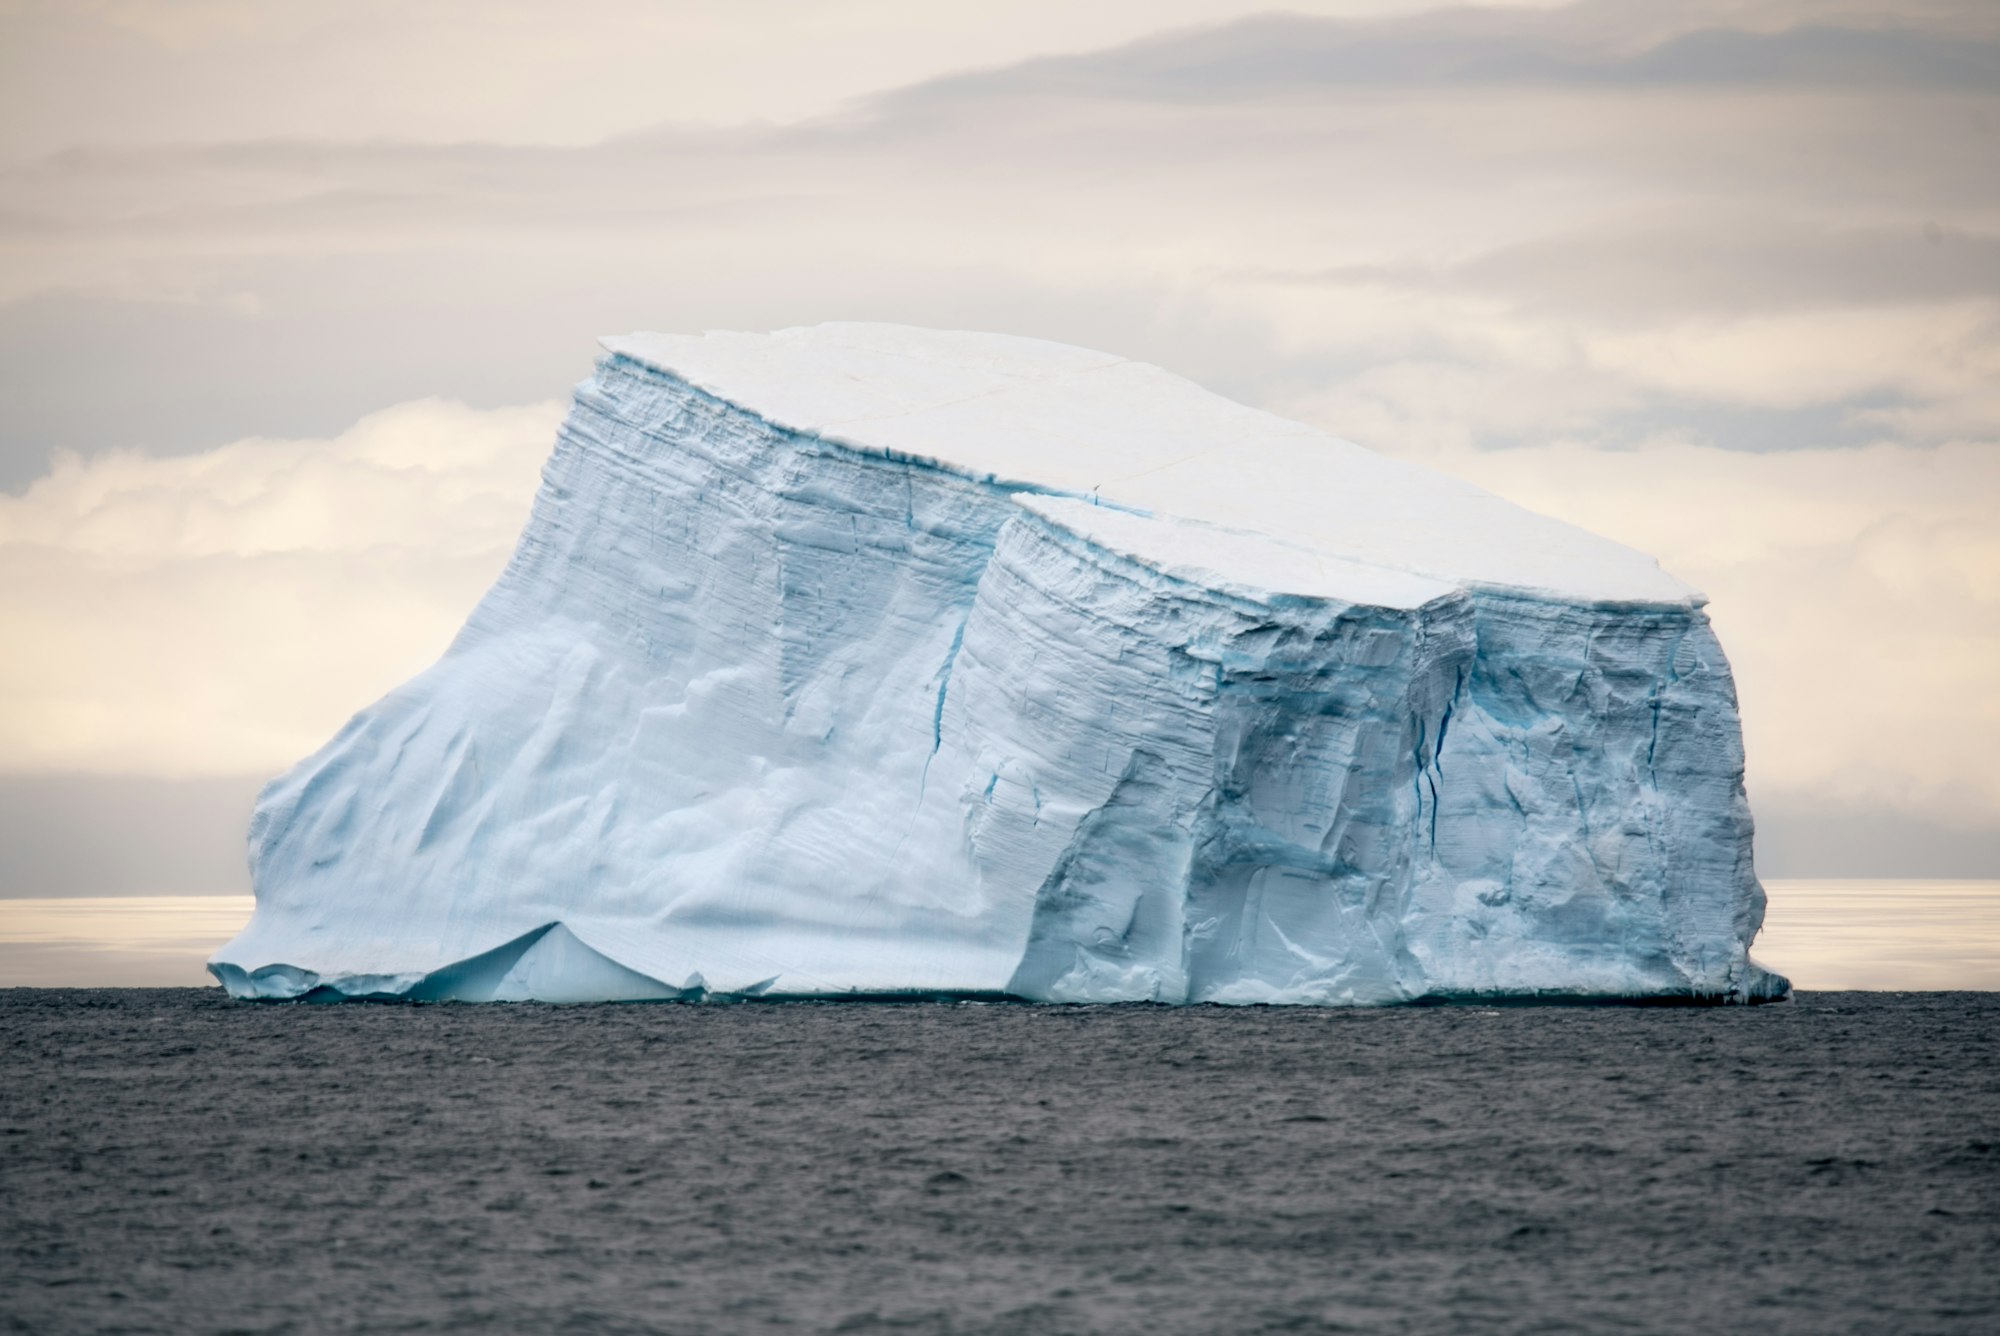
<point x="863" y="660"/>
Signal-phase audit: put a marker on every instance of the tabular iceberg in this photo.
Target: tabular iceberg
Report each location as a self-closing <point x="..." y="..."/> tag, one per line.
<point x="862" y="660"/>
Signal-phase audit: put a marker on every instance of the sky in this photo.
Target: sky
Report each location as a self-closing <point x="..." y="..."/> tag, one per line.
<point x="292" y="296"/>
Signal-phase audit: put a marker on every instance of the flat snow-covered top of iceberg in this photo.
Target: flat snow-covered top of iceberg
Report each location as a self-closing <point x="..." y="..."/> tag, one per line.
<point x="1051" y="417"/>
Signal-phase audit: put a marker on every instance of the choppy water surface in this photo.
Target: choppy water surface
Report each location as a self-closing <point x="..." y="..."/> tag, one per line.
<point x="173" y="1161"/>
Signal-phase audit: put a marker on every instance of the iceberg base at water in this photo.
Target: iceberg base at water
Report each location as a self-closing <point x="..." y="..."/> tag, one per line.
<point x="551" y="965"/>
<point x="870" y="662"/>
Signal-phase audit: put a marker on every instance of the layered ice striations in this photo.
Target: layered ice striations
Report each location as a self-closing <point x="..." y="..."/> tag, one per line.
<point x="861" y="661"/>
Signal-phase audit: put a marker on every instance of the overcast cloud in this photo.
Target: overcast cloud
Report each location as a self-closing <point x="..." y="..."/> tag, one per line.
<point x="1721" y="280"/>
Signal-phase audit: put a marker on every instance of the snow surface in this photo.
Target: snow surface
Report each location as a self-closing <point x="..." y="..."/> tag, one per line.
<point x="1054" y="417"/>
<point x="863" y="660"/>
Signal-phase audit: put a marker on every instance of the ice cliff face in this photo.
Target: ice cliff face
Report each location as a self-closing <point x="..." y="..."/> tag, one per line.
<point x="863" y="660"/>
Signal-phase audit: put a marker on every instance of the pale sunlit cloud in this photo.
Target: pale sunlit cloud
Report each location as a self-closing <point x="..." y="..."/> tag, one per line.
<point x="224" y="612"/>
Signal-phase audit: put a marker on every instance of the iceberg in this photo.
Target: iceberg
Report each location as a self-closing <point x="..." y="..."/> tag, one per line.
<point x="870" y="661"/>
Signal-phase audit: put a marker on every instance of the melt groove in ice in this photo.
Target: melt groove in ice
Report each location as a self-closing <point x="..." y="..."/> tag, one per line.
<point x="861" y="660"/>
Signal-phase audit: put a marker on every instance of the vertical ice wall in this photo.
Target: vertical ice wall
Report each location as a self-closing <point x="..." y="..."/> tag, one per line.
<point x="1209" y="786"/>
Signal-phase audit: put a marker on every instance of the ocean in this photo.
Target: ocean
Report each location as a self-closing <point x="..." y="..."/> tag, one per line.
<point x="173" y="1161"/>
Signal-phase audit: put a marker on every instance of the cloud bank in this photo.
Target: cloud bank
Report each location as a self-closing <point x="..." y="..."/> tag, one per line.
<point x="224" y="612"/>
<point x="1718" y="279"/>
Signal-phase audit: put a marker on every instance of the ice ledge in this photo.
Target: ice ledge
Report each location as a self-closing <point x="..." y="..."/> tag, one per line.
<point x="550" y="964"/>
<point x="1231" y="561"/>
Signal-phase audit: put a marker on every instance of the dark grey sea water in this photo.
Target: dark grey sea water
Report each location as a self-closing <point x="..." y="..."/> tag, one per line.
<point x="171" y="1161"/>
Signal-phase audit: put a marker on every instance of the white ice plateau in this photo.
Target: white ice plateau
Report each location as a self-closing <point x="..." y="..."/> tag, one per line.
<point x="864" y="661"/>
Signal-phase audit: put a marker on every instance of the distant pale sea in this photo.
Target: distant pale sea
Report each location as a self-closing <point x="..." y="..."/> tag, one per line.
<point x="1895" y="935"/>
